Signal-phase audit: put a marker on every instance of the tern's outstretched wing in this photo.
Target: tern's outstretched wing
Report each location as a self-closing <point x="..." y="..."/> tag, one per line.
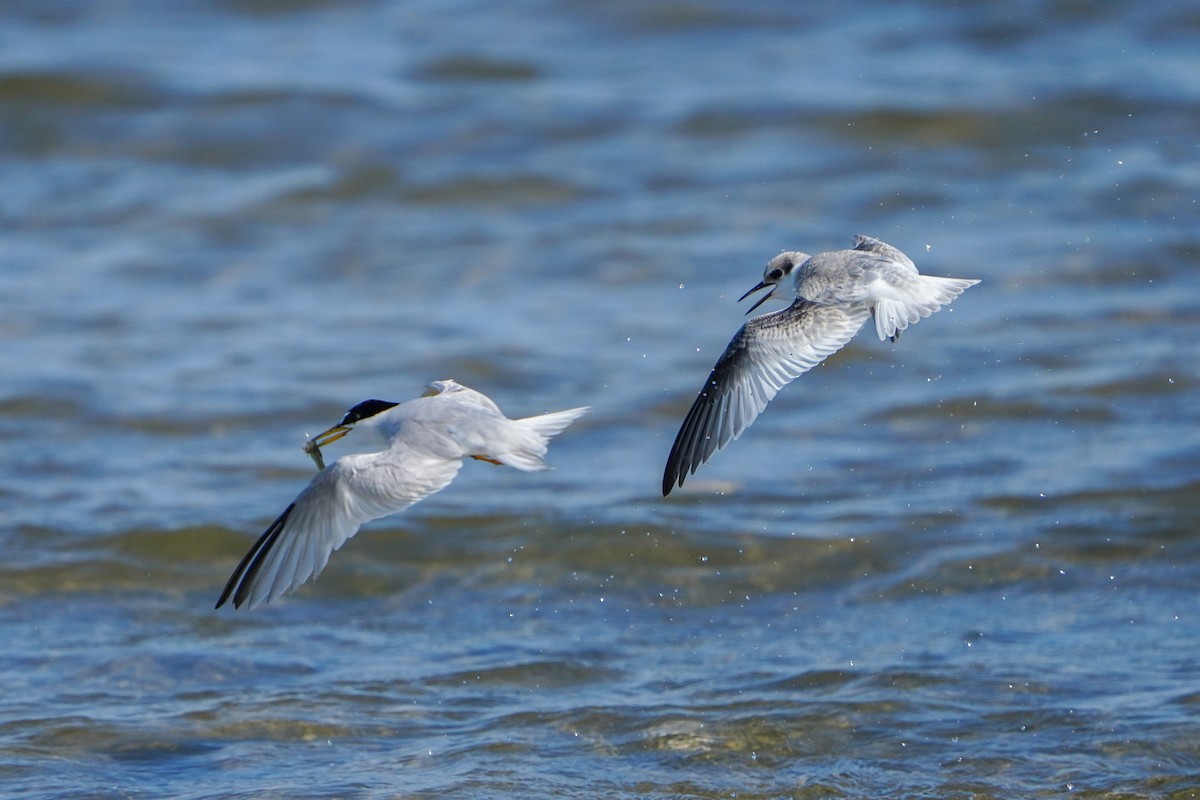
<point x="869" y="244"/>
<point x="354" y="490"/>
<point x="766" y="354"/>
<point x="454" y="391"/>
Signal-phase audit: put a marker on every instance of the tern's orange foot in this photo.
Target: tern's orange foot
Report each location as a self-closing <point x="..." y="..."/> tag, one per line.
<point x="489" y="459"/>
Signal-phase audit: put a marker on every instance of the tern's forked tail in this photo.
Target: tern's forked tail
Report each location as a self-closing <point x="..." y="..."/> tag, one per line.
<point x="921" y="298"/>
<point x="533" y="436"/>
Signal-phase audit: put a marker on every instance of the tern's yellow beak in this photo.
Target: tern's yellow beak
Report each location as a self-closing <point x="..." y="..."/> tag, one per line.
<point x="761" y="300"/>
<point x="329" y="436"/>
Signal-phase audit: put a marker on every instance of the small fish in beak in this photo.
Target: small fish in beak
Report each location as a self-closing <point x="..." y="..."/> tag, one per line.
<point x="313" y="446"/>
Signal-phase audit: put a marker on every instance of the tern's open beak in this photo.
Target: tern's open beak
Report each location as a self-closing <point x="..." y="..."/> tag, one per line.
<point x="761" y="300"/>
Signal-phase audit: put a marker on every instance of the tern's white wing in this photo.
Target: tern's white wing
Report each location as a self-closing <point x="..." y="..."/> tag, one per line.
<point x="354" y="490"/>
<point x="463" y="395"/>
<point x="766" y="354"/>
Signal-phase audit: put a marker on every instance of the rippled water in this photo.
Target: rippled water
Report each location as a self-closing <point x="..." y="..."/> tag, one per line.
<point x="962" y="566"/>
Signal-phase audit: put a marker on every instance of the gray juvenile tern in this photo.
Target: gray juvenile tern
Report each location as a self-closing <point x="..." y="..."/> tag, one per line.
<point x="427" y="440"/>
<point x="835" y="292"/>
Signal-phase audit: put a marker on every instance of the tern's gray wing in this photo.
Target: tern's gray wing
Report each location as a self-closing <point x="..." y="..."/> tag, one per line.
<point x="766" y="354"/>
<point x="354" y="490"/>
<point x="868" y="244"/>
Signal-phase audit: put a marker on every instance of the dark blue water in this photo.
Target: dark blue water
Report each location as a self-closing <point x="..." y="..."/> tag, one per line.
<point x="964" y="565"/>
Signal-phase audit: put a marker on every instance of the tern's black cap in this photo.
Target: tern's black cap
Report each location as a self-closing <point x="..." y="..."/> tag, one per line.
<point x="365" y="409"/>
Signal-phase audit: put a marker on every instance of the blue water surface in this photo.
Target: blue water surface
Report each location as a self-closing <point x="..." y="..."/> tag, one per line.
<point x="963" y="565"/>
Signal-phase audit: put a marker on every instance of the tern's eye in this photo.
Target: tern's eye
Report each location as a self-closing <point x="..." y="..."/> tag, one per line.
<point x="776" y="274"/>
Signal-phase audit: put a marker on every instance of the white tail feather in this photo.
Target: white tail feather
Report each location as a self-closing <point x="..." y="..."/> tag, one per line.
<point x="929" y="294"/>
<point x="530" y="446"/>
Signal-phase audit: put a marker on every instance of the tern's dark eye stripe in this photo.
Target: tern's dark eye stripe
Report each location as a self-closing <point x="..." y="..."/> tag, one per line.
<point x="367" y="408"/>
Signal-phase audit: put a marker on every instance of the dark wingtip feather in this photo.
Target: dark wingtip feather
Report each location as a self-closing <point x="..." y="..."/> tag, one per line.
<point x="673" y="474"/>
<point x="668" y="481"/>
<point x="687" y="452"/>
<point x="246" y="570"/>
